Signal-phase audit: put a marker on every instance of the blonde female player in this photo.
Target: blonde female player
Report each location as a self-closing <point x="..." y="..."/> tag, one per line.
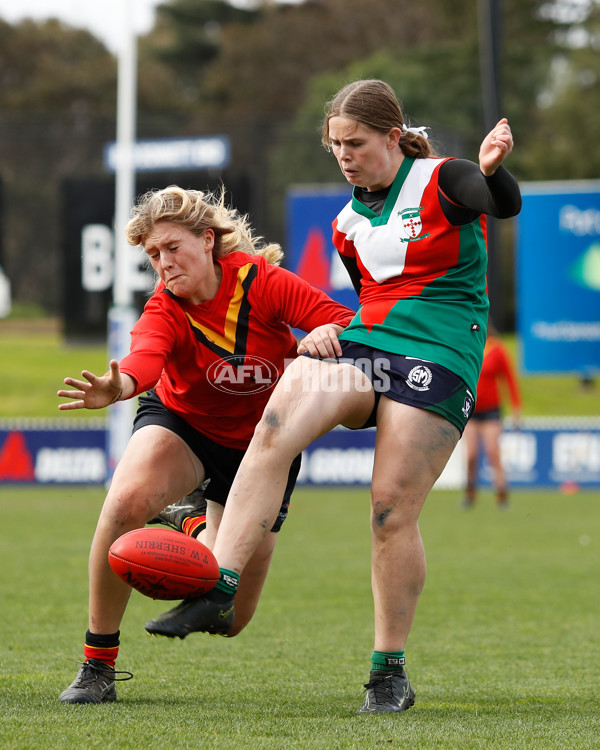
<point x="221" y="308"/>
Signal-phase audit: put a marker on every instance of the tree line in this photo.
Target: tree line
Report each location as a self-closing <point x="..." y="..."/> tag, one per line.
<point x="262" y="77"/>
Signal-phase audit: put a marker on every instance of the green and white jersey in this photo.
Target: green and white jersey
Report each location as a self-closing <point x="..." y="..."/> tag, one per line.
<point x="423" y="287"/>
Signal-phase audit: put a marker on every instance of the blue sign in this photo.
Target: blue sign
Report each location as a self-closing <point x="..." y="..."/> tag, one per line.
<point x="310" y="251"/>
<point x="168" y="154"/>
<point x="558" y="277"/>
<point x="531" y="457"/>
<point x="56" y="454"/>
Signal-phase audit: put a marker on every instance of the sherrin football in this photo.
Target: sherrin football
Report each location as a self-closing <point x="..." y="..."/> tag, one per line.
<point x="164" y="564"/>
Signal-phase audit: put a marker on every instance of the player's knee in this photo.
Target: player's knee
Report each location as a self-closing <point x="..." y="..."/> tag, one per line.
<point x="128" y="507"/>
<point x="383" y="518"/>
<point x="268" y="430"/>
<point x="390" y="512"/>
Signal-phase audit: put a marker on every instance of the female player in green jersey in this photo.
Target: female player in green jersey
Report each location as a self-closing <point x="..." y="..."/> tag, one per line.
<point x="413" y="240"/>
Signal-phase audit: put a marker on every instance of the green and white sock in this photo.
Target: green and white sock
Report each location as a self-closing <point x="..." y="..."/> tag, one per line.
<point x="387" y="661"/>
<point x="228" y="582"/>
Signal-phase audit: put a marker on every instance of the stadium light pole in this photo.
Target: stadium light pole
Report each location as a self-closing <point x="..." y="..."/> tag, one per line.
<point x="122" y="314"/>
<point x="490" y="14"/>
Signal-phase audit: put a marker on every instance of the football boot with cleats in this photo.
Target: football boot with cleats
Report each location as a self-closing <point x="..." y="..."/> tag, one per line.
<point x="387" y="692"/>
<point x="211" y="613"/>
<point x="190" y="506"/>
<point x="95" y="683"/>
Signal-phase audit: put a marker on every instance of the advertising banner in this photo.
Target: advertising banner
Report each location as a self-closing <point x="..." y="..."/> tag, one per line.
<point x="47" y="454"/>
<point x="535" y="456"/>
<point x="310" y="252"/>
<point x="538" y="455"/>
<point x="558" y="277"/>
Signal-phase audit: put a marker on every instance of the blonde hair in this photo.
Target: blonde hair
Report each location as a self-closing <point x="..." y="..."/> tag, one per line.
<point x="198" y="211"/>
<point x="373" y="103"/>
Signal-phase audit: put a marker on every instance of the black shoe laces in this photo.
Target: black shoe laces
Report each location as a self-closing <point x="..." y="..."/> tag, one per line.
<point x="95" y="668"/>
<point x="382" y="687"/>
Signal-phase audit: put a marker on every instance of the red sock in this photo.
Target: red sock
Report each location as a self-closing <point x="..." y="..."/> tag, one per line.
<point x="102" y="647"/>
<point x="107" y="655"/>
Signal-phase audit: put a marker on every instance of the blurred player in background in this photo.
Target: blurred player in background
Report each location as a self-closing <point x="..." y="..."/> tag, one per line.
<point x="484" y="429"/>
<point x="221" y="305"/>
<point x="413" y="240"/>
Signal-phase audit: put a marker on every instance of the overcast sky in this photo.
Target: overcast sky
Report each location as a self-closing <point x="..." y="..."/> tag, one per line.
<point x="103" y="18"/>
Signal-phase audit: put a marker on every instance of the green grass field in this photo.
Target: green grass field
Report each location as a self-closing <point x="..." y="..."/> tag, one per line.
<point x="35" y="360"/>
<point x="503" y="654"/>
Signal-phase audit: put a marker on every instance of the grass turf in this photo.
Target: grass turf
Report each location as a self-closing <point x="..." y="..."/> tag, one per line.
<point x="503" y="652"/>
<point x="33" y="365"/>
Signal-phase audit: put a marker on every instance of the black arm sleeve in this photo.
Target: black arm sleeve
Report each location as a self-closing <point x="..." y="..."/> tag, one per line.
<point x="465" y="192"/>
<point x="352" y="267"/>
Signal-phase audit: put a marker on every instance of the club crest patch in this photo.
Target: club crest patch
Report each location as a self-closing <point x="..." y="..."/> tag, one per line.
<point x="419" y="378"/>
<point x="412" y="224"/>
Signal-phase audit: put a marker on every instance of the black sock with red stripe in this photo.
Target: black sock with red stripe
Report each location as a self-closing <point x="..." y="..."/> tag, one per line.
<point x="103" y="647"/>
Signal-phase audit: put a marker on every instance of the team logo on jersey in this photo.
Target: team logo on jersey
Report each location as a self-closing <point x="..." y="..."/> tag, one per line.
<point x="419" y="378"/>
<point x="468" y="404"/>
<point x="412" y="224"/>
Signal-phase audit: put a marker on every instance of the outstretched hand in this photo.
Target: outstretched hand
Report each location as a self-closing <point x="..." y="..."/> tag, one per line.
<point x="98" y="392"/>
<point x="496" y="146"/>
<point x="322" y="341"/>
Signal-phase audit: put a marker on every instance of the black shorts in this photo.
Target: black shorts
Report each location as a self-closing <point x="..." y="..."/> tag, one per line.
<point x="491" y="415"/>
<point x="220" y="462"/>
<point x="412" y="381"/>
